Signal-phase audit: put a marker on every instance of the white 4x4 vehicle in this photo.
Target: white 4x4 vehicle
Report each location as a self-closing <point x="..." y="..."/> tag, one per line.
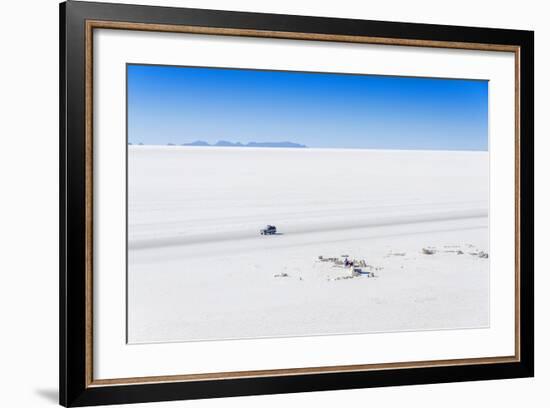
<point x="269" y="230"/>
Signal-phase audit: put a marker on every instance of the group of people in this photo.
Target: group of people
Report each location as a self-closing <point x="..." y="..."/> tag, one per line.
<point x="348" y="262"/>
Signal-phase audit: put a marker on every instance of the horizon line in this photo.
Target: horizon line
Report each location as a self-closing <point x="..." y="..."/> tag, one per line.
<point x="310" y="147"/>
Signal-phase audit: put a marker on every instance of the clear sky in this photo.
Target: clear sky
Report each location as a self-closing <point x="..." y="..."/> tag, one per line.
<point x="182" y="104"/>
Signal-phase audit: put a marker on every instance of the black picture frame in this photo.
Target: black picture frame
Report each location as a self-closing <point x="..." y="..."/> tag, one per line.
<point x="75" y="386"/>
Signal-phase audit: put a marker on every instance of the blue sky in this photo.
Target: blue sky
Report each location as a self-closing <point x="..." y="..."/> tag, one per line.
<point x="182" y="104"/>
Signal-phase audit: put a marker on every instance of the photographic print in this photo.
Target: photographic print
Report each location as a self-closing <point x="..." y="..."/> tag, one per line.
<point x="277" y="203"/>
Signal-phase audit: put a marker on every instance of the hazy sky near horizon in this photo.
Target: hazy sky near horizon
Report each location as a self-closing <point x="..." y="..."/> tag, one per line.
<point x="183" y="104"/>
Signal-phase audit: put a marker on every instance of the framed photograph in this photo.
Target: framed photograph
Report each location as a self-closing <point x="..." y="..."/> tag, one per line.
<point x="257" y="203"/>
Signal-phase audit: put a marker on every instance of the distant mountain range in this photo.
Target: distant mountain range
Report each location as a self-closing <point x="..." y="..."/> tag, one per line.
<point x="225" y="143"/>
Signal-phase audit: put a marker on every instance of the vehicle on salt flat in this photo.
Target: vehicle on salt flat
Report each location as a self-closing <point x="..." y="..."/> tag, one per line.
<point x="269" y="230"/>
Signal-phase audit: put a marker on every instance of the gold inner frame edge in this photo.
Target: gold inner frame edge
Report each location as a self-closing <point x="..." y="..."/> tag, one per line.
<point x="93" y="24"/>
